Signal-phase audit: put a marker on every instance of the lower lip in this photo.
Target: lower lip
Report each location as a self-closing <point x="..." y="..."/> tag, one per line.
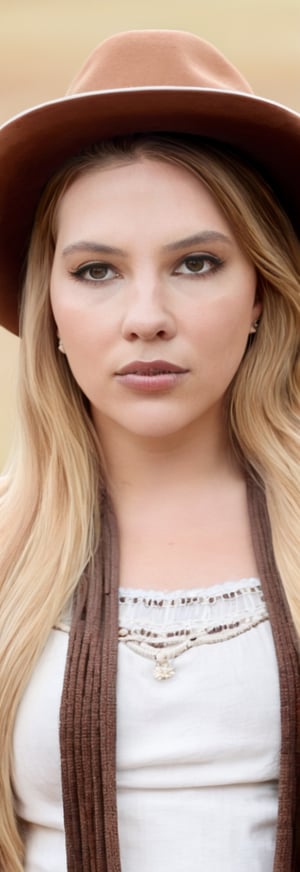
<point x="151" y="383"/>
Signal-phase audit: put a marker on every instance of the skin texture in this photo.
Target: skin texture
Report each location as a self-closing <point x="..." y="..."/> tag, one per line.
<point x="150" y="304"/>
<point x="192" y="305"/>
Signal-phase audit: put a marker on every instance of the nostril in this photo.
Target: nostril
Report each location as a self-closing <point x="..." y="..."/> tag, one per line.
<point x="147" y="334"/>
<point x="148" y="328"/>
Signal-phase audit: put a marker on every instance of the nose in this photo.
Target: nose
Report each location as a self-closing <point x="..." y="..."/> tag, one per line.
<point x="148" y="316"/>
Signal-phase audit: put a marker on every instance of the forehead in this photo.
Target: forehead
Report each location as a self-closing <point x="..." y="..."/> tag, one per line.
<point x="140" y="186"/>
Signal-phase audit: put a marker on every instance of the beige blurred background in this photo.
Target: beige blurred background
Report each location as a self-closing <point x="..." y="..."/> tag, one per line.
<point x="44" y="42"/>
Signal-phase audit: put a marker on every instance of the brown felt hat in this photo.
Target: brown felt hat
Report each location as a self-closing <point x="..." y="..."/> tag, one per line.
<point x="152" y="80"/>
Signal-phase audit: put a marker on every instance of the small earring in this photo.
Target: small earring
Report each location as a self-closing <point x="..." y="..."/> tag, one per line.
<point x="254" y="327"/>
<point x="60" y="346"/>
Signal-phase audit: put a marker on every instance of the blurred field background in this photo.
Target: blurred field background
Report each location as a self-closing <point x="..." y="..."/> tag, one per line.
<point x="44" y="42"/>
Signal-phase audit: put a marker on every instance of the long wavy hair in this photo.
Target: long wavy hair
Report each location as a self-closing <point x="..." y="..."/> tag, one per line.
<point x="50" y="513"/>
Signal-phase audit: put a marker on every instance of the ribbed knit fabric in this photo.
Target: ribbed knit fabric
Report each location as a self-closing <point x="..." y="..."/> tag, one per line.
<point x="88" y="708"/>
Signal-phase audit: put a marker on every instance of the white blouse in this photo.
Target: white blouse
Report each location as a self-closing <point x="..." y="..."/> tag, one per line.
<point x="198" y="735"/>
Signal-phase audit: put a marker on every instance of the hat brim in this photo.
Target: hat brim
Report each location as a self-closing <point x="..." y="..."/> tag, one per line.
<point x="34" y="144"/>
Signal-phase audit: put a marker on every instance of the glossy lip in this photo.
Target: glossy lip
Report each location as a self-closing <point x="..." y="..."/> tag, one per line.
<point x="150" y="368"/>
<point x="150" y="376"/>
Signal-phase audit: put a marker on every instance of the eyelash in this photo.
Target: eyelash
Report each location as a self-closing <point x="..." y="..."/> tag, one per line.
<point x="214" y="262"/>
<point x="79" y="273"/>
<point x="212" y="259"/>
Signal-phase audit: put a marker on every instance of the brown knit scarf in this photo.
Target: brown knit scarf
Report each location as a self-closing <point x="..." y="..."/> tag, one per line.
<point x="88" y="709"/>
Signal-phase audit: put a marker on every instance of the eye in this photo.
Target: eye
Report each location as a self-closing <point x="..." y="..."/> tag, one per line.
<point x="199" y="264"/>
<point x="95" y="271"/>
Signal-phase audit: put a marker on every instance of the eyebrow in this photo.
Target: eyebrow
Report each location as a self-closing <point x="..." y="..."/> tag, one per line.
<point x="198" y="239"/>
<point x="206" y="236"/>
<point x="93" y="247"/>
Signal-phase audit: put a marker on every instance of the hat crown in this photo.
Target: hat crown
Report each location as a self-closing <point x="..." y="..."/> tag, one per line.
<point x="156" y="58"/>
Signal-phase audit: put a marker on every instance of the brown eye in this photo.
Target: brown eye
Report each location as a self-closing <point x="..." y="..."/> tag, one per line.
<point x="95" y="272"/>
<point x="195" y="264"/>
<point x="199" y="264"/>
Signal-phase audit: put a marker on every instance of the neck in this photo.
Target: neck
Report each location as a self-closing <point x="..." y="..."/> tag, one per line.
<point x="135" y="465"/>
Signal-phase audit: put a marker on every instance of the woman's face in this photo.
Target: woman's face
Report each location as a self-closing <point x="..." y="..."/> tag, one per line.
<point x="152" y="296"/>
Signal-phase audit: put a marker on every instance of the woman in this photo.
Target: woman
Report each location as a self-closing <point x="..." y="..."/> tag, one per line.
<point x="149" y="678"/>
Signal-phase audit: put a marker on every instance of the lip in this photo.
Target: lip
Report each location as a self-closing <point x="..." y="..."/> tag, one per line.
<point x="151" y="376"/>
<point x="150" y="368"/>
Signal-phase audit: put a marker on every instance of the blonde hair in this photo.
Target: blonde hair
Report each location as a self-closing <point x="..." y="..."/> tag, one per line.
<point x="50" y="512"/>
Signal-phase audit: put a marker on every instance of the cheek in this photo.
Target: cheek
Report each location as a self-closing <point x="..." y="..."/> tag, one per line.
<point x="85" y="362"/>
<point x="75" y="324"/>
<point x="83" y="318"/>
<point x="87" y="343"/>
<point x="223" y="325"/>
<point x="221" y="338"/>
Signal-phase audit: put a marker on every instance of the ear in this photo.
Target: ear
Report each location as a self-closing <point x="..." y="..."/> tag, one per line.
<point x="60" y="345"/>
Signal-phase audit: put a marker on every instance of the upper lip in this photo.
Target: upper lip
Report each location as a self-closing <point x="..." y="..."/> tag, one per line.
<point x="150" y="367"/>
